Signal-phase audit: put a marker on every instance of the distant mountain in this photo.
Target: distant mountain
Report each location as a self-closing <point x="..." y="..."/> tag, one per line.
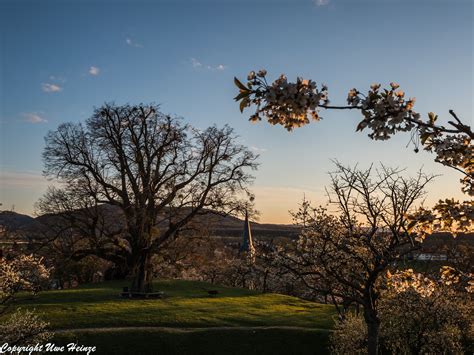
<point x="13" y="221"/>
<point x="232" y="227"/>
<point x="218" y="225"/>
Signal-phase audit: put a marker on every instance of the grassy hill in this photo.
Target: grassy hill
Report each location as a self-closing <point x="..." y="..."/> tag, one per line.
<point x="186" y="321"/>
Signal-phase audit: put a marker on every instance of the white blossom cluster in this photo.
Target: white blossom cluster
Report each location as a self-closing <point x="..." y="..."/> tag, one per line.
<point x="286" y="103"/>
<point x="447" y="215"/>
<point x="402" y="281"/>
<point x="23" y="273"/>
<point x="24" y="325"/>
<point x="385" y="111"/>
<point x="431" y="316"/>
<point x="450" y="276"/>
<point x="455" y="150"/>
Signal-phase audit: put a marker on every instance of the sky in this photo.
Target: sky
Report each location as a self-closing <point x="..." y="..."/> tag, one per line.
<point x="60" y="59"/>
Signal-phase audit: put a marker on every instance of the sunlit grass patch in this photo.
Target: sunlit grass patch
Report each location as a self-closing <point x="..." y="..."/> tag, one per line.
<point x="187" y="320"/>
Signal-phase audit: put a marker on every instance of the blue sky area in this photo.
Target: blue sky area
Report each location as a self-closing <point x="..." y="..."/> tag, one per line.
<point x="60" y="59"/>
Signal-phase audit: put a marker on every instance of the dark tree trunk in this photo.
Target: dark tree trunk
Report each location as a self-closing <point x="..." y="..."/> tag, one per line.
<point x="142" y="273"/>
<point x="373" y="326"/>
<point x="265" y="281"/>
<point x="118" y="272"/>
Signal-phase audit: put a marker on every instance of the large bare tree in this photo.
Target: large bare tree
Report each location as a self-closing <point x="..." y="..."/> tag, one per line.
<point x="159" y="172"/>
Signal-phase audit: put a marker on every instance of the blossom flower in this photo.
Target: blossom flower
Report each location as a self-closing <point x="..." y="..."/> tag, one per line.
<point x="385" y="113"/>
<point x="375" y="87"/>
<point x="282" y="102"/>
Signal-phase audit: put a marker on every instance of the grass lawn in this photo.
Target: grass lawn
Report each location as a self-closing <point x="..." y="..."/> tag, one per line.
<point x="205" y="342"/>
<point x="234" y="321"/>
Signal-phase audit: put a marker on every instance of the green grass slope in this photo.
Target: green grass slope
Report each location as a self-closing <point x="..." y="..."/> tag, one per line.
<point x="186" y="321"/>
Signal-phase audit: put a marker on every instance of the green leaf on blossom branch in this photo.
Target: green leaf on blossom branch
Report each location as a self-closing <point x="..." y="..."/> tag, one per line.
<point x="240" y="85"/>
<point x="244" y="103"/>
<point x="242" y="95"/>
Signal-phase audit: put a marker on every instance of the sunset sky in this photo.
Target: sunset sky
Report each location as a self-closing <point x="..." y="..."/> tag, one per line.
<point x="60" y="59"/>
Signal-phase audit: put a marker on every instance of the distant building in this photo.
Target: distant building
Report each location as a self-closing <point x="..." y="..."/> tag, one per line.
<point x="430" y="257"/>
<point x="247" y="246"/>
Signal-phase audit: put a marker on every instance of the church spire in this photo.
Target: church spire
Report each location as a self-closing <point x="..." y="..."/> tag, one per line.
<point x="247" y="242"/>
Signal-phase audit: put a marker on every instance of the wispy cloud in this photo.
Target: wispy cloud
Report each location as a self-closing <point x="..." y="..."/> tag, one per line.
<point x="28" y="179"/>
<point x="197" y="64"/>
<point x="33" y="117"/>
<point x="321" y="2"/>
<point x="94" y="71"/>
<point x="219" y="67"/>
<point x="258" y="150"/>
<point x="132" y="43"/>
<point x="47" y="87"/>
<point x="58" y="79"/>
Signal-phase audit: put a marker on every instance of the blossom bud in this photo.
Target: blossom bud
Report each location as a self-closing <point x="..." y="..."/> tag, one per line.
<point x="375" y="87"/>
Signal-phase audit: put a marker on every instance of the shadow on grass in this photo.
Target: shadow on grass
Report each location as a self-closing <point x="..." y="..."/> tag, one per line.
<point x="208" y="342"/>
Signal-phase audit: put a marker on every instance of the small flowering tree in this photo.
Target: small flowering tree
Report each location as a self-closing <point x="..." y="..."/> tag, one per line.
<point x="345" y="255"/>
<point x="22" y="273"/>
<point x="419" y="314"/>
<point x="384" y="113"/>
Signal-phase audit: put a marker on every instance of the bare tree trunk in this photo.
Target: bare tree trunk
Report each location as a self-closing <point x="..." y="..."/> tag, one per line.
<point x="373" y="326"/>
<point x="265" y="281"/>
<point x="142" y="273"/>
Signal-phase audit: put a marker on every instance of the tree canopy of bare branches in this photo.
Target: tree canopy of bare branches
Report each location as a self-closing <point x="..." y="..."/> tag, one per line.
<point x="159" y="172"/>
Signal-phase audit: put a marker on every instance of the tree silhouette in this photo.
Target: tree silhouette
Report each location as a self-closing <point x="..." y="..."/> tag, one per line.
<point x="159" y="172"/>
<point x="346" y="255"/>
